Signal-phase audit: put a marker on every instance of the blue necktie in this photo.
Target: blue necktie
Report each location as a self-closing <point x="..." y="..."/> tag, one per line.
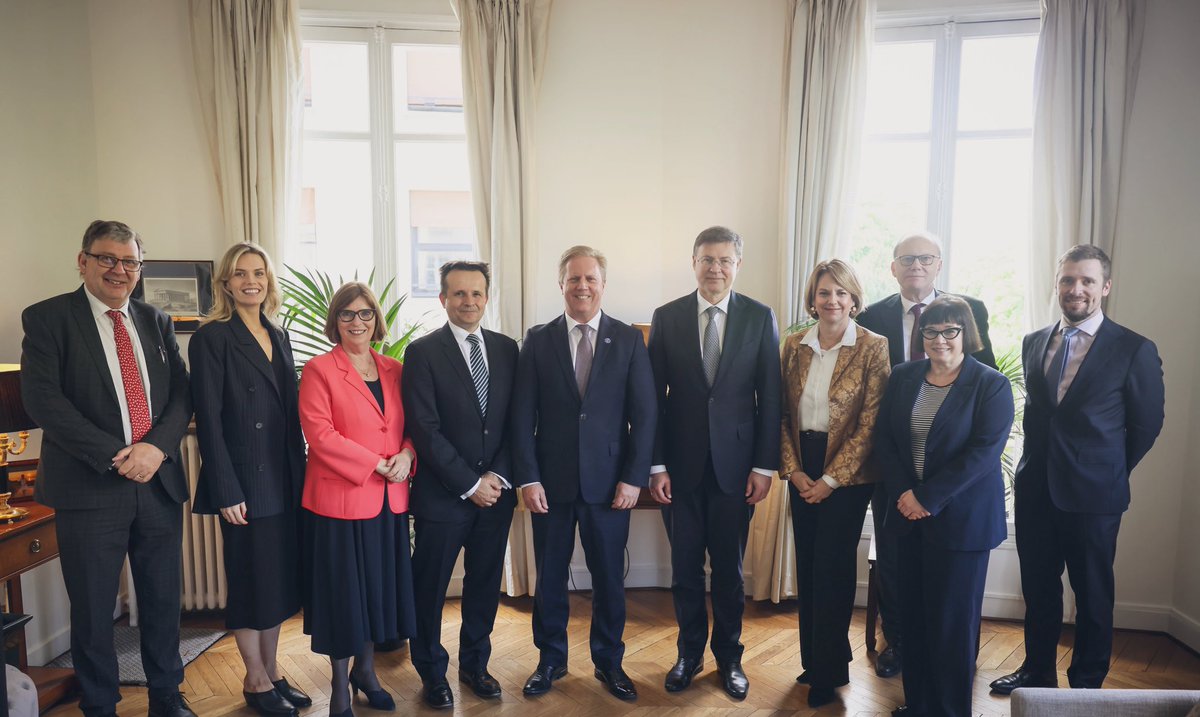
<point x="1061" y="357"/>
<point x="479" y="372"/>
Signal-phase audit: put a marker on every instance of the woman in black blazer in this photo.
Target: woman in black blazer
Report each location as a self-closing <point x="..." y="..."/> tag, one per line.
<point x="941" y="431"/>
<point x="252" y="454"/>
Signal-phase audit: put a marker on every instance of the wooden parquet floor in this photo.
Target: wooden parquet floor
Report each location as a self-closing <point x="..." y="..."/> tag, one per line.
<point x="213" y="683"/>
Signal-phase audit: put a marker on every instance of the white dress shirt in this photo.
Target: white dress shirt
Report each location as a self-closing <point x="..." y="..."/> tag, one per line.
<point x="1080" y="345"/>
<point x="702" y="319"/>
<point x="460" y="335"/>
<point x="907" y="319"/>
<point x="104" y="325"/>
<point x="814" y="400"/>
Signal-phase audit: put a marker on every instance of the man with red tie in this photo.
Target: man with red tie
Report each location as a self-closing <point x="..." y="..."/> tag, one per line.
<point x="102" y="376"/>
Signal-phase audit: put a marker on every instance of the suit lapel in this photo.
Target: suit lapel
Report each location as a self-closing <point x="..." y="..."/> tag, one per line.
<point x="903" y="422"/>
<point x="1035" y="375"/>
<point x="350" y="376"/>
<point x="248" y="346"/>
<point x="951" y="407"/>
<point x="687" y="332"/>
<point x="603" y="344"/>
<point x="846" y="354"/>
<point x="562" y="350"/>
<point x="458" y="364"/>
<point x="893" y="311"/>
<point x="1091" y="364"/>
<point x="735" y="335"/>
<point x="85" y="323"/>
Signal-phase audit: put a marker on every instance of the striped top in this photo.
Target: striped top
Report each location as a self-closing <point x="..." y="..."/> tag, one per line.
<point x="929" y="400"/>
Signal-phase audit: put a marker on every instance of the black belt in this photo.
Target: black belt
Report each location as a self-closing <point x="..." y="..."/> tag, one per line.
<point x="813" y="435"/>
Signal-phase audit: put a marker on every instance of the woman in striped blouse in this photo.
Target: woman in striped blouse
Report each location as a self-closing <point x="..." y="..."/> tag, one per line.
<point x="942" y="428"/>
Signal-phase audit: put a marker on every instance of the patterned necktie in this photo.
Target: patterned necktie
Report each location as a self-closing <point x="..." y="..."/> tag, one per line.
<point x="583" y="359"/>
<point x="1058" y="364"/>
<point x="131" y="379"/>
<point x="710" y="351"/>
<point x="479" y="372"/>
<point x="916" y="347"/>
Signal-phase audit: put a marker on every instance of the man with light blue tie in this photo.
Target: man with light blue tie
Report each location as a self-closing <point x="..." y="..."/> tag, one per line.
<point x="1094" y="408"/>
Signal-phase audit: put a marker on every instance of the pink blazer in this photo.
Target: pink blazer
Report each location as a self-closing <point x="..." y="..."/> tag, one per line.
<point x="347" y="434"/>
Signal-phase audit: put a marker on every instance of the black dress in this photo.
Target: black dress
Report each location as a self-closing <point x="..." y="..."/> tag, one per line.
<point x="360" y="589"/>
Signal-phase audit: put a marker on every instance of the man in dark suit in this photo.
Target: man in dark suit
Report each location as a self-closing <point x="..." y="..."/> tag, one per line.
<point x="457" y="385"/>
<point x="582" y="437"/>
<point x="1093" y="409"/>
<point x="715" y="356"/>
<point x="916" y="263"/>
<point x="103" y="377"/>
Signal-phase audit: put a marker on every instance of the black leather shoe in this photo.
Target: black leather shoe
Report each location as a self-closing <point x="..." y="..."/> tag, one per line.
<point x="481" y="683"/>
<point x="1023" y="678"/>
<point x="889" y="663"/>
<point x="542" y="679"/>
<point x="437" y="694"/>
<point x="803" y="678"/>
<point x="270" y="704"/>
<point x="173" y="706"/>
<point x="733" y="679"/>
<point x="680" y="676"/>
<point x="292" y="694"/>
<point x="906" y="711"/>
<point x="618" y="683"/>
<point x="818" y="696"/>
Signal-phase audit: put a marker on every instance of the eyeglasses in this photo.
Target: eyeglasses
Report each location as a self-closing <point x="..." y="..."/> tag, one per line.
<point x="925" y="259"/>
<point x="346" y="315"/>
<point x="948" y="334"/>
<point x="110" y="262"/>
<point x="725" y="262"/>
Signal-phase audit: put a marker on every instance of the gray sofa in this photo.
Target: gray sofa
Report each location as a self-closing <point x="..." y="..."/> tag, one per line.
<point x="1049" y="702"/>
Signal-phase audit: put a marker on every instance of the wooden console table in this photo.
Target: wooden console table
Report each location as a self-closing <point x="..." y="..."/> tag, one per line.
<point x="24" y="545"/>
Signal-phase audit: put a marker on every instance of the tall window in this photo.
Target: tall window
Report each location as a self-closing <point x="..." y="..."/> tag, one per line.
<point x="384" y="177"/>
<point x="947" y="147"/>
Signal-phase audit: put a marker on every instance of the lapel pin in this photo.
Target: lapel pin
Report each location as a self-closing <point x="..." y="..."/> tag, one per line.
<point x="607" y="340"/>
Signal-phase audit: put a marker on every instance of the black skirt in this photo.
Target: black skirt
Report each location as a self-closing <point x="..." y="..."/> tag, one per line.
<point x="360" y="586"/>
<point x="262" y="567"/>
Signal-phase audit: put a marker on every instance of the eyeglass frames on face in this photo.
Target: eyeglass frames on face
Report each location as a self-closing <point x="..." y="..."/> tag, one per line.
<point x="948" y="334"/>
<point x="110" y="262"/>
<point x="925" y="259"/>
<point x="725" y="262"/>
<point x="346" y="315"/>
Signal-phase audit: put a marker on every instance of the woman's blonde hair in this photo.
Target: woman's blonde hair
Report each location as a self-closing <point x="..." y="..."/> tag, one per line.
<point x="224" y="307"/>
<point x="843" y="275"/>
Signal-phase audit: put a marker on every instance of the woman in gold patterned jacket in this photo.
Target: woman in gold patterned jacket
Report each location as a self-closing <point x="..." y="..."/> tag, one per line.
<point x="834" y="376"/>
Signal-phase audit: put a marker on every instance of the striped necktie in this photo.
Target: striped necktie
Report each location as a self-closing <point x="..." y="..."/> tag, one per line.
<point x="479" y="372"/>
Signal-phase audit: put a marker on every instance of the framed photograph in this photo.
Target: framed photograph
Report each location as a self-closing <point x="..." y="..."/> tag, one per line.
<point x="180" y="289"/>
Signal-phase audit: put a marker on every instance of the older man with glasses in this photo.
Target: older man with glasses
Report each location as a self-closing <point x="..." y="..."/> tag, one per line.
<point x="916" y="263"/>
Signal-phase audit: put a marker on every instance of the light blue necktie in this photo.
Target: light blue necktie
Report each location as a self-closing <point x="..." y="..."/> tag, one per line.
<point x="1061" y="358"/>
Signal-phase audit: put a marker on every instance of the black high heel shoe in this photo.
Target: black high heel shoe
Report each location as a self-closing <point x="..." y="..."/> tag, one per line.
<point x="377" y="699"/>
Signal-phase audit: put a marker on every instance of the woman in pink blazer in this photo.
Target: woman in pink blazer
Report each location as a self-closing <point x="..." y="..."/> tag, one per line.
<point x="359" y="590"/>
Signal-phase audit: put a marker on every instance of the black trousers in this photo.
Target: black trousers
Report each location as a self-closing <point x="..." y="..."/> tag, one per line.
<point x="700" y="520"/>
<point x="942" y="603"/>
<point x="484" y="539"/>
<point x="92" y="545"/>
<point x="1049" y="540"/>
<point x="604" y="533"/>
<point x="887" y="568"/>
<point x="826" y="537"/>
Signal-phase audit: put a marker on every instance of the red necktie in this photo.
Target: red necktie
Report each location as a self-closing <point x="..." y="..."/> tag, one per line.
<point x="135" y="393"/>
<point x="916" y="347"/>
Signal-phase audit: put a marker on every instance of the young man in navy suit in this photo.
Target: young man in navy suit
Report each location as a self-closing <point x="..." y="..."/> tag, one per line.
<point x="457" y="385"/>
<point x="582" y="436"/>
<point x="1093" y="409"/>
<point x="715" y="356"/>
<point x="916" y="263"/>
<point x="102" y="376"/>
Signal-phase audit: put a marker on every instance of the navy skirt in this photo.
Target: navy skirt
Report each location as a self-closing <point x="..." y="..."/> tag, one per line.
<point x="360" y="587"/>
<point x="262" y="565"/>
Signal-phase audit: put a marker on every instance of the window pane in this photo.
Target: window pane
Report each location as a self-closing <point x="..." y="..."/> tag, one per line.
<point x="900" y="88"/>
<point x="996" y="83"/>
<point x="892" y="202"/>
<point x="427" y="89"/>
<point x="335" y="226"/>
<point x="991" y="232"/>
<point x="336" y="86"/>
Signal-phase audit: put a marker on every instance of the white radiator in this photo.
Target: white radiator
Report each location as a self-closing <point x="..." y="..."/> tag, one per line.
<point x="204" y="586"/>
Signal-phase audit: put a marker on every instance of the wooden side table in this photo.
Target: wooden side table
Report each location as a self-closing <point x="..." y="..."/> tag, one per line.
<point x="25" y="545"/>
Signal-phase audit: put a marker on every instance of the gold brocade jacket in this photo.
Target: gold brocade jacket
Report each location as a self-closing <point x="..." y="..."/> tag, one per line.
<point x="859" y="379"/>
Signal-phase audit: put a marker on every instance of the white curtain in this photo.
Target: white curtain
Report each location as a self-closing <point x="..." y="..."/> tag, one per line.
<point x="827" y="47"/>
<point x="503" y="49"/>
<point x="1087" y="65"/>
<point x="247" y="57"/>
